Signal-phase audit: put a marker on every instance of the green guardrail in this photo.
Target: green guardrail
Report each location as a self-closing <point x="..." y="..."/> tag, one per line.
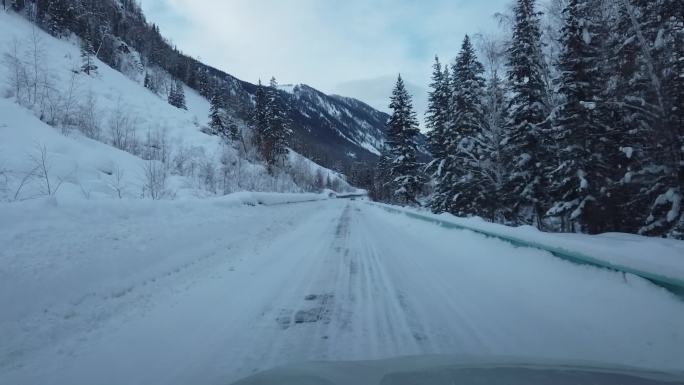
<point x="674" y="285"/>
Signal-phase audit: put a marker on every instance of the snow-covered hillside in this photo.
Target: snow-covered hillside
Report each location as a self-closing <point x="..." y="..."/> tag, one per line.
<point x="90" y="116"/>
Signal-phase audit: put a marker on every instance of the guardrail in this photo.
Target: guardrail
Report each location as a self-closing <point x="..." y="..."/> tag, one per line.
<point x="674" y="285"/>
<point x="349" y="196"/>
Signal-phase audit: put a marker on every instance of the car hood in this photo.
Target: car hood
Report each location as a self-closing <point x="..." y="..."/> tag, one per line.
<point x="451" y="370"/>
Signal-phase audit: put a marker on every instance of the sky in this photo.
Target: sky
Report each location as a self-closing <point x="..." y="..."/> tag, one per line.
<point x="349" y="47"/>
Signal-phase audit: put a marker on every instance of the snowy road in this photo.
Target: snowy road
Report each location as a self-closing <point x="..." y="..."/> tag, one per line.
<point x="209" y="295"/>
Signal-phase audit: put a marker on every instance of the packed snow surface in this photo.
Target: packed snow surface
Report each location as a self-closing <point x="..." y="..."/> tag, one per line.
<point x="655" y="256"/>
<point x="209" y="291"/>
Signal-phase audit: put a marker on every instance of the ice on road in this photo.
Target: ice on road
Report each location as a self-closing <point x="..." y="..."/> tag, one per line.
<point x="208" y="295"/>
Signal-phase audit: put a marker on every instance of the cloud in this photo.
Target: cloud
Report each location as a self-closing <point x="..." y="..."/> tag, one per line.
<point x="332" y="45"/>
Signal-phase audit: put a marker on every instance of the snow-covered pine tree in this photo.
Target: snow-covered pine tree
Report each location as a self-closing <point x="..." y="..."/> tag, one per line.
<point x="59" y="17"/>
<point x="233" y="131"/>
<point x="278" y="128"/>
<point x="147" y="81"/>
<point x="525" y="135"/>
<point x="581" y="181"/>
<point x="675" y="92"/>
<point x="173" y="96"/>
<point x="260" y="119"/>
<point x="493" y="168"/>
<point x="177" y="95"/>
<point x="216" y="116"/>
<point x="203" y="83"/>
<point x="87" y="53"/>
<point x="648" y="183"/>
<point x="658" y="27"/>
<point x="437" y="114"/>
<point x="630" y="118"/>
<point x="463" y="145"/>
<point x="402" y="129"/>
<point x="381" y="190"/>
<point x="437" y="120"/>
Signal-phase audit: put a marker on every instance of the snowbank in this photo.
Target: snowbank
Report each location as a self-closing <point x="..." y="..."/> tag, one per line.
<point x="268" y="199"/>
<point x="657" y="259"/>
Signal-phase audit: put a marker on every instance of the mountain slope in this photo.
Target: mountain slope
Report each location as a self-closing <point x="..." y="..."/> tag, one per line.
<point x="335" y="131"/>
<point x="131" y="132"/>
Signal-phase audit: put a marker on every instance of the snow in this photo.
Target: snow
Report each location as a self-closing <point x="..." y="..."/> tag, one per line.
<point x="209" y="291"/>
<point x="654" y="256"/>
<point x="109" y="86"/>
<point x="289" y="88"/>
<point x="628" y="151"/>
<point x="97" y="289"/>
<point x="82" y="162"/>
<point x="92" y="169"/>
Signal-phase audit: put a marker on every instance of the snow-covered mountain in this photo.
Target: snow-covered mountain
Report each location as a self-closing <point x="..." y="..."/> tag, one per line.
<point x="337" y="132"/>
<point x="339" y="126"/>
<point x="77" y="136"/>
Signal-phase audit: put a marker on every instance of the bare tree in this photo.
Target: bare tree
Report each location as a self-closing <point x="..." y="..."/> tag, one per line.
<point x="26" y="178"/>
<point x="116" y="183"/>
<point x="69" y="104"/>
<point x="4" y="179"/>
<point x="17" y="73"/>
<point x="122" y="128"/>
<point x="42" y="167"/>
<point x="36" y="59"/>
<point x="155" y="178"/>
<point x="88" y="117"/>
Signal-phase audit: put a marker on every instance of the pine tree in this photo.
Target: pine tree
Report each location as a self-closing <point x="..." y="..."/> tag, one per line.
<point x="675" y="93"/>
<point x="402" y="128"/>
<point x="582" y="179"/>
<point x="203" y="83"/>
<point x="260" y="119"/>
<point x="233" y="131"/>
<point x="61" y="17"/>
<point x="644" y="117"/>
<point x="216" y="116"/>
<point x="18" y="5"/>
<point x="527" y="112"/>
<point x="463" y="144"/>
<point x="439" y="121"/>
<point x="436" y="116"/>
<point x="147" y="81"/>
<point x="382" y="182"/>
<point x="177" y="95"/>
<point x="278" y="127"/>
<point x="630" y="120"/>
<point x="181" y="95"/>
<point x="492" y="165"/>
<point x="173" y="96"/>
<point x="657" y="27"/>
<point x="87" y="51"/>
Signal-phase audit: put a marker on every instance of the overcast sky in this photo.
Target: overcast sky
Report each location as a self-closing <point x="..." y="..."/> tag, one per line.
<point x="349" y="47"/>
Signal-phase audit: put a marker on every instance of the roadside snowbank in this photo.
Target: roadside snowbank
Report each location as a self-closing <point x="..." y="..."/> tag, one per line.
<point x="268" y="199"/>
<point x="646" y="256"/>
